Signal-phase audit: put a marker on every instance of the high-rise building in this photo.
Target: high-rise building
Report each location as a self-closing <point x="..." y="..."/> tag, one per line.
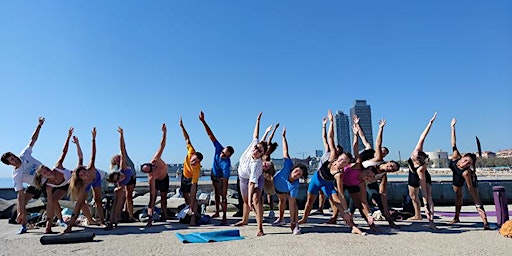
<point x="342" y="131"/>
<point x="364" y="112"/>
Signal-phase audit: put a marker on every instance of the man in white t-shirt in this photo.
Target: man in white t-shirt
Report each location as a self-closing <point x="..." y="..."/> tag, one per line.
<point x="25" y="167"/>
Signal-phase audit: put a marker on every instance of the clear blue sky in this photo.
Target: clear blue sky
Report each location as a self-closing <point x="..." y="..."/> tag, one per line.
<point x="138" y="64"/>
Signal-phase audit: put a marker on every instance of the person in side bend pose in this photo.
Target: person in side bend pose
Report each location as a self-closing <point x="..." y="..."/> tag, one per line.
<point x="354" y="180"/>
<point x="250" y="171"/>
<point x="120" y="178"/>
<point x="286" y="182"/>
<point x="83" y="179"/>
<point x="269" y="170"/>
<point x="85" y="207"/>
<point x="419" y="178"/>
<point x="323" y="159"/>
<point x="191" y="173"/>
<point x="464" y="168"/>
<point x="376" y="190"/>
<point x="221" y="171"/>
<point x="158" y="179"/>
<point x="324" y="179"/>
<point x="115" y="165"/>
<point x="56" y="186"/>
<point x="24" y="170"/>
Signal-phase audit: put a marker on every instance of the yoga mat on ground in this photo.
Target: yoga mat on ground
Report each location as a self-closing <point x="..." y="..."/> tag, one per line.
<point x="68" y="238"/>
<point x="209" y="237"/>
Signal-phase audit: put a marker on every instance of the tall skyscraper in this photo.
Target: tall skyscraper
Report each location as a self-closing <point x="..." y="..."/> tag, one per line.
<point x="342" y="131"/>
<point x="364" y="112"/>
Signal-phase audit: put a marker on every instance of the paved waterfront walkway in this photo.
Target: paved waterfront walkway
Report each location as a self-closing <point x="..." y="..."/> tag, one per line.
<point x="413" y="238"/>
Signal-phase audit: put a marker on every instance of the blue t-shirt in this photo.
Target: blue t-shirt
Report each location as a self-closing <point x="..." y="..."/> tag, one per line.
<point x="281" y="181"/>
<point x="221" y="166"/>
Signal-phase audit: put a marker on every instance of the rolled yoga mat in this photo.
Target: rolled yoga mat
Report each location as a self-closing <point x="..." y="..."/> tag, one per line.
<point x="78" y="237"/>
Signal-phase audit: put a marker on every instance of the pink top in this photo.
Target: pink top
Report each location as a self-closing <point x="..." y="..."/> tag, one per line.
<point x="350" y="176"/>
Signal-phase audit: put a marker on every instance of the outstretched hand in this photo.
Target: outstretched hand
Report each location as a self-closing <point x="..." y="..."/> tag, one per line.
<point x="41" y="120"/>
<point x="201" y="116"/>
<point x="75" y="140"/>
<point x="382" y="123"/>
<point x="433" y="118"/>
<point x="70" y="131"/>
<point x="454" y="121"/>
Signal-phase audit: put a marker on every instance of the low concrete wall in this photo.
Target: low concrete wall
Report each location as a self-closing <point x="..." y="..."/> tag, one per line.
<point x="442" y="192"/>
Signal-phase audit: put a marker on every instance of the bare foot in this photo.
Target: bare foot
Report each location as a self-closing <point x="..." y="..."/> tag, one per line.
<point x="455" y="220"/>
<point x="302" y="221"/>
<point x="216" y="215"/>
<point x="224" y="222"/>
<point x="260" y="233"/>
<point x="486" y="226"/>
<point x="240" y="223"/>
<point x="415" y="218"/>
<point x="149" y="224"/>
<point x="357" y="231"/>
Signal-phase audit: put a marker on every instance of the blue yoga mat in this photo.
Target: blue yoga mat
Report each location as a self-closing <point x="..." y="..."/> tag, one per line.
<point x="209" y="237"/>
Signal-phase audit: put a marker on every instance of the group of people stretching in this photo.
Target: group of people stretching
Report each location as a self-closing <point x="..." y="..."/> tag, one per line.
<point x="361" y="174"/>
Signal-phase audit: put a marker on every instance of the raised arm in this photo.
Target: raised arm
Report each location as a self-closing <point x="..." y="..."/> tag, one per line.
<point x="185" y="134"/>
<point x="456" y="153"/>
<point x="78" y="151"/>
<point x="64" y="149"/>
<point x="324" y="134"/>
<point x="285" y="145"/>
<point x="36" y="132"/>
<point x="123" y="163"/>
<point x="330" y="137"/>
<point x="355" y="120"/>
<point x="93" y="153"/>
<point x="206" y="127"/>
<point x="158" y="153"/>
<point x="272" y="134"/>
<point x="419" y="146"/>
<point x="269" y="128"/>
<point x="256" y="132"/>
<point x="355" y="142"/>
<point x="378" y="142"/>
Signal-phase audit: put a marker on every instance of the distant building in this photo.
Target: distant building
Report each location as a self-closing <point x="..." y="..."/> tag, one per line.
<point x="342" y="131"/>
<point x="438" y="159"/>
<point x="506" y="153"/>
<point x="364" y="112"/>
<point x="487" y="154"/>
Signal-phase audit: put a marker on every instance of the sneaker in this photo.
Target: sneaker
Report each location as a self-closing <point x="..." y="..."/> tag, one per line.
<point x="278" y="223"/>
<point x="296" y="231"/>
<point x="238" y="214"/>
<point x="62" y="223"/>
<point x="22" y="230"/>
<point x="271" y="215"/>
